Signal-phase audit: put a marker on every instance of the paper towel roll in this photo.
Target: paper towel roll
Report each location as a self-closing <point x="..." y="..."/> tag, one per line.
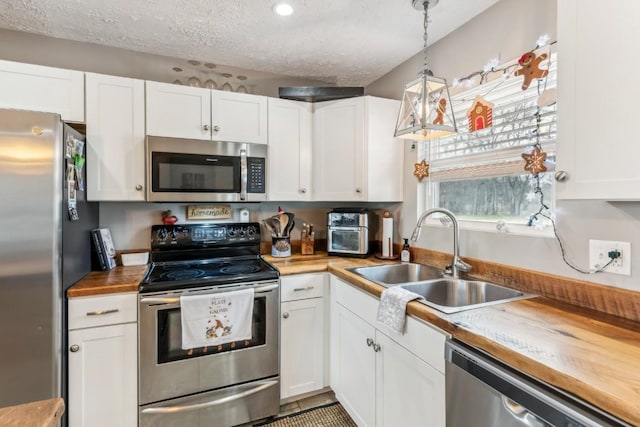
<point x="387" y="237"/>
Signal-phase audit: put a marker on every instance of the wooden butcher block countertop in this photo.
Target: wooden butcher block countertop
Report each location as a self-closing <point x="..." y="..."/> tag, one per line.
<point x="43" y="413"/>
<point x="593" y="356"/>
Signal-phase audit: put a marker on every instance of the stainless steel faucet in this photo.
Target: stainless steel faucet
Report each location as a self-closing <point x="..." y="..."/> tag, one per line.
<point x="457" y="264"/>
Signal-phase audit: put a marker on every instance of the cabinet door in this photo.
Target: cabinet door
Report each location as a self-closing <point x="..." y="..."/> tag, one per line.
<point x="38" y="88"/>
<point x="178" y="111"/>
<point x="289" y="150"/>
<point x="103" y="376"/>
<point x="115" y="138"/>
<point x="385" y="154"/>
<point x="302" y="347"/>
<point x="354" y="364"/>
<point x="407" y="388"/>
<point x="596" y="101"/>
<point x="238" y="117"/>
<point x="338" y="150"/>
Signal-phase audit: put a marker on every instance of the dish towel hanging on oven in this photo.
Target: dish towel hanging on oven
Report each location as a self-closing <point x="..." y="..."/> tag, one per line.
<point x="393" y="307"/>
<point x="215" y="319"/>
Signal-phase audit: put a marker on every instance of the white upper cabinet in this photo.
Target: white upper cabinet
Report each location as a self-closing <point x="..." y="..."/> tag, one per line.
<point x="197" y="113"/>
<point x="115" y="138"/>
<point x="238" y="117"/>
<point x="355" y="156"/>
<point x="38" y="88"/>
<point x="178" y="111"/>
<point x="289" y="150"/>
<point x="597" y="140"/>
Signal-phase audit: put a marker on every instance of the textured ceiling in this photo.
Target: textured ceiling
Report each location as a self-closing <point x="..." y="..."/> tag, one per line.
<point x="340" y="42"/>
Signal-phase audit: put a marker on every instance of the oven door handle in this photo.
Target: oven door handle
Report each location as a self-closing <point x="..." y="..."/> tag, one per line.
<point x="216" y="402"/>
<point x="173" y="300"/>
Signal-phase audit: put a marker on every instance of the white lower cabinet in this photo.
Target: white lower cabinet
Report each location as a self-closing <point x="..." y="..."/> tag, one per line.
<point x="381" y="378"/>
<point x="302" y="334"/>
<point x="103" y="373"/>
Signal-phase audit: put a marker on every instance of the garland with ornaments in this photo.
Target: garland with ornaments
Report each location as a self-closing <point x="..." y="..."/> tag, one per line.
<point x="480" y="115"/>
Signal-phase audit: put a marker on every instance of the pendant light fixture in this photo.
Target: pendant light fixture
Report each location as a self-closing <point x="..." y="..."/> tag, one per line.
<point x="425" y="111"/>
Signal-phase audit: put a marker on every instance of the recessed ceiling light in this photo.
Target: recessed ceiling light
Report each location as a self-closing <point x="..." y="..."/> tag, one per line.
<point x="283" y="9"/>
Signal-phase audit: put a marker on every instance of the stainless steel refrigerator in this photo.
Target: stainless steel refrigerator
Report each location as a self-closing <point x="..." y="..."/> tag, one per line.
<point x="42" y="250"/>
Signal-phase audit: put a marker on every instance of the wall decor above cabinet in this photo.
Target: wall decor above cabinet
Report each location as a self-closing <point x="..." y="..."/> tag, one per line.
<point x="200" y="113"/>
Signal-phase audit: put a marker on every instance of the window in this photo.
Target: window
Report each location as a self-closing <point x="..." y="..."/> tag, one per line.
<point x="479" y="175"/>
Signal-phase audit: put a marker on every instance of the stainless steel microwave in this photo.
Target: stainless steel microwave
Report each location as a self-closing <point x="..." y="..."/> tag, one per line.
<point x="191" y="170"/>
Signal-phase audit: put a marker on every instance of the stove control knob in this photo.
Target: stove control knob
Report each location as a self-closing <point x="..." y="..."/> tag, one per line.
<point x="231" y="232"/>
<point x="162" y="233"/>
<point x="241" y="232"/>
<point x="173" y="234"/>
<point x="251" y="231"/>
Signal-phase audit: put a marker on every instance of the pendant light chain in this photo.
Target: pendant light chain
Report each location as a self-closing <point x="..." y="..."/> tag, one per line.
<point x="426" y="23"/>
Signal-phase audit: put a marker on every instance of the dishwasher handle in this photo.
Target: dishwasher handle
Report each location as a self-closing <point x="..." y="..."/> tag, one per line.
<point x="522" y="414"/>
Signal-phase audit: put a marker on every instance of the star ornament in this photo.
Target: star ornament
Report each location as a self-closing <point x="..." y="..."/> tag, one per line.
<point x="421" y="170"/>
<point x="534" y="161"/>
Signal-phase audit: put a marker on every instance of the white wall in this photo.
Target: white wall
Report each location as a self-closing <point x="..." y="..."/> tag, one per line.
<point x="41" y="50"/>
<point x="508" y="29"/>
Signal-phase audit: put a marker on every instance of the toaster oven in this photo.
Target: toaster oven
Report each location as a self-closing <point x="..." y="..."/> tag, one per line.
<point x="349" y="232"/>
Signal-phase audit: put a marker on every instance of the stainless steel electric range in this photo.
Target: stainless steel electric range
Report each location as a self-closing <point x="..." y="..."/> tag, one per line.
<point x="222" y="385"/>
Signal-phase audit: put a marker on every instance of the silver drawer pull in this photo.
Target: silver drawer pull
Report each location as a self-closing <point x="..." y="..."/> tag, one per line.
<point x="308" y="288"/>
<point x="102" y="312"/>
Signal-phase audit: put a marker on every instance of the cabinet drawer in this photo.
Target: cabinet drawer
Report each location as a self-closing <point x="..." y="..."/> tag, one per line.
<point x="302" y="286"/>
<point x="356" y="300"/>
<point x="86" y="312"/>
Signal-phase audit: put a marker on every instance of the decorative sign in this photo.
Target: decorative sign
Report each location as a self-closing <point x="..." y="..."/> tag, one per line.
<point x="209" y="212"/>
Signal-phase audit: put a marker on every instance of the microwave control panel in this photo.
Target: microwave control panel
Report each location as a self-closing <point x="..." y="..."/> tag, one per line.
<point x="256" y="175"/>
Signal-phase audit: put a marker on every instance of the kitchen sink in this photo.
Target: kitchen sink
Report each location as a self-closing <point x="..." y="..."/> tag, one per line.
<point x="452" y="295"/>
<point x="392" y="274"/>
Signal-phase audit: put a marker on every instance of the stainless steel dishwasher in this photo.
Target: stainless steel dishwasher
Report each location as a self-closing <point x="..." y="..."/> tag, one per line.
<point x="482" y="392"/>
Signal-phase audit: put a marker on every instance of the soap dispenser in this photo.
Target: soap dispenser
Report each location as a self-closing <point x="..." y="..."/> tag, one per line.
<point x="405" y="255"/>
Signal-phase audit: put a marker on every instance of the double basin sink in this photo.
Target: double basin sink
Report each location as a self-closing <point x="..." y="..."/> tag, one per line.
<point x="448" y="295"/>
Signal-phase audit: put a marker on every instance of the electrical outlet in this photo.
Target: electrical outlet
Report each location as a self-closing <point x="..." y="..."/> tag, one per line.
<point x="599" y="256"/>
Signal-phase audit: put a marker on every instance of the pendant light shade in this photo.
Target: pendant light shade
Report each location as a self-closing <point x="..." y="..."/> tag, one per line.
<point x="425" y="111"/>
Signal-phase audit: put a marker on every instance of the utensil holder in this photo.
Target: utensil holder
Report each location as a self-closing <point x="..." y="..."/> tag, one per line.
<point x="307" y="245"/>
<point x="280" y="246"/>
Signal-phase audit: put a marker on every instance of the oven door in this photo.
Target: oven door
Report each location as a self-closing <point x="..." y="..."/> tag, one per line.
<point x="166" y="371"/>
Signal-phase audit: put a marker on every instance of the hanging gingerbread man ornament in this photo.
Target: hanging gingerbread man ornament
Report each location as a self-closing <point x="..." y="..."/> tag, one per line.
<point x="530" y="68"/>
<point x="442" y="107"/>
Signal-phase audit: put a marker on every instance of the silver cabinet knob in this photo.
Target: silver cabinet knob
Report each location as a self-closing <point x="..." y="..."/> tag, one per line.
<point x="285" y="315"/>
<point x="369" y="342"/>
<point x="74" y="348"/>
<point x="358" y="190"/>
<point x="303" y="190"/>
<point x="206" y="128"/>
<point x="376" y="347"/>
<point x="216" y="128"/>
<point x="139" y="187"/>
<point x="561" y="176"/>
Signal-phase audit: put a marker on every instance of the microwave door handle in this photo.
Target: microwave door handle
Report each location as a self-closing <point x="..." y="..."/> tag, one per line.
<point x="243" y="174"/>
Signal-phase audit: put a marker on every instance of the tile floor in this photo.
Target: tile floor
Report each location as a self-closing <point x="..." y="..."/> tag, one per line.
<point x="307" y="403"/>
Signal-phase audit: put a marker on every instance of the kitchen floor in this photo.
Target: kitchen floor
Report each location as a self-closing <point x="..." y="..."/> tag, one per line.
<point x="307" y="403"/>
<point x="296" y="406"/>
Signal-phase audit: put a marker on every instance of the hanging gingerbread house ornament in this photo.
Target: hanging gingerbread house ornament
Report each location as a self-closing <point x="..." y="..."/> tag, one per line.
<point x="421" y="170"/>
<point x="480" y="115"/>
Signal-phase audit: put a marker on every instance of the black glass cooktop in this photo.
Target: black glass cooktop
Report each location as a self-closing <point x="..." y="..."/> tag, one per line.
<point x="194" y="273"/>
